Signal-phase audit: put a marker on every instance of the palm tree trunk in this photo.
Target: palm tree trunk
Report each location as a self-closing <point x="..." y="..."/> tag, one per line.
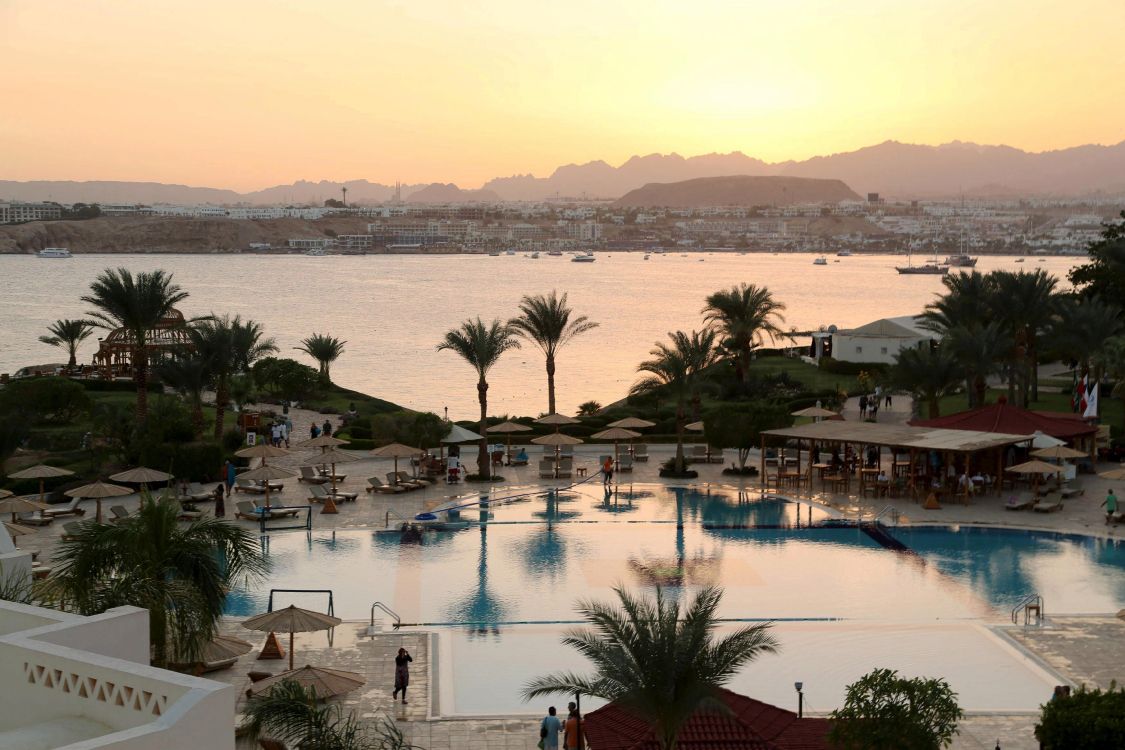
<point x="158" y="634"/>
<point x="140" y="379"/>
<point x="483" y="462"/>
<point x="72" y="348"/>
<point x="744" y="365"/>
<point x="935" y="407"/>
<point x="981" y="387"/>
<point x="550" y="383"/>
<point x="222" y="397"/>
<point x="680" y="422"/>
<point x="197" y="416"/>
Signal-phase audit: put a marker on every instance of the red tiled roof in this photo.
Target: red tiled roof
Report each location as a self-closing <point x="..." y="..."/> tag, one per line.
<point x="1012" y="420"/>
<point x="750" y="725"/>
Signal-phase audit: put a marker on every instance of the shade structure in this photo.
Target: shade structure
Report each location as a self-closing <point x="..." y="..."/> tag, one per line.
<point x="694" y="426"/>
<point x="99" y="491"/>
<point x="458" y="434"/>
<point x="327" y="683"/>
<point x="507" y="428"/>
<point x="397" y="451"/>
<point x="223" y="647"/>
<point x="616" y="434"/>
<point x="557" y="420"/>
<point x="40" y="472"/>
<point x="21" y="504"/>
<point x="332" y="456"/>
<point x="1043" y="440"/>
<point x="556" y="439"/>
<point x="291" y="620"/>
<point x="5" y="493"/>
<point x="632" y="423"/>
<point x="141" y="475"/>
<point x="16" y="530"/>
<point x="1114" y="474"/>
<point x="1058" y="451"/>
<point x="1034" y="467"/>
<point x="813" y="411"/>
<point x="322" y="441"/>
<point x="266" y="473"/>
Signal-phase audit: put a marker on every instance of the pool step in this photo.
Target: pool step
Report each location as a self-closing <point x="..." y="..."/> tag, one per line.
<point x="885" y="540"/>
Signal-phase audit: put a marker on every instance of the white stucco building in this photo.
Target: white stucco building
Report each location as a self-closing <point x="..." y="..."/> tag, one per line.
<point x="880" y="340"/>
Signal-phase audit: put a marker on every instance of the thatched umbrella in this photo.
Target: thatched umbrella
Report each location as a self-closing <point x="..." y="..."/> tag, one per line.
<point x="328" y="683"/>
<point x="1058" y="452"/>
<point x="632" y="423"/>
<point x="1036" y="468"/>
<point x="615" y="434"/>
<point x="141" y="475"/>
<point x="291" y="620"/>
<point x="267" y="474"/>
<point x="263" y="451"/>
<point x="694" y="426"/>
<point x="816" y="412"/>
<point x="332" y="456"/>
<point x="5" y="493"/>
<point x="557" y="420"/>
<point x="1114" y="474"/>
<point x="396" y="451"/>
<point x="41" y="472"/>
<point x="508" y="428"/>
<point x="223" y="647"/>
<point x="98" y="491"/>
<point x="556" y="439"/>
<point x="20" y="504"/>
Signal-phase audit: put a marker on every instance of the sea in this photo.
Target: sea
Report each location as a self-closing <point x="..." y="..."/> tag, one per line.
<point x="393" y="310"/>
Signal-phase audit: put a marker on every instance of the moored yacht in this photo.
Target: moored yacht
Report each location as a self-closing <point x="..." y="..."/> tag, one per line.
<point x="821" y="261"/>
<point x="54" y="252"/>
<point x="586" y="257"/>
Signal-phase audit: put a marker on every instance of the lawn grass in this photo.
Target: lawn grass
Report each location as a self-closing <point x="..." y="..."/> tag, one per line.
<point x="810" y="376"/>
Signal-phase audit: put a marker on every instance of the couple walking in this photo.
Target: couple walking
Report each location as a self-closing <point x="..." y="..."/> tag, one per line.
<point x="552" y="726"/>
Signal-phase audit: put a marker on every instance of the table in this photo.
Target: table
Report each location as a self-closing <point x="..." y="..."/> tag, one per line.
<point x="581" y="470"/>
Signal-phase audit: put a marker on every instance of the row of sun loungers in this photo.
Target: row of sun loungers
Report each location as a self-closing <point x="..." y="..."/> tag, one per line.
<point x="1049" y="503"/>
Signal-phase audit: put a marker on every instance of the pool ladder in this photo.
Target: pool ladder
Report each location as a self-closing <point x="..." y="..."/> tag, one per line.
<point x="1031" y="606"/>
<point x="387" y="610"/>
<point x="888" y="510"/>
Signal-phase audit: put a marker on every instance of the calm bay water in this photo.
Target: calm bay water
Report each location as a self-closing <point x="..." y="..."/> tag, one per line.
<point x="393" y="310"/>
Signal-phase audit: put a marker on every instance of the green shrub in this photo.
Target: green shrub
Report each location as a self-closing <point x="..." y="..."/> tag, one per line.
<point x="360" y="431"/>
<point x="50" y="400"/>
<point x="883" y="711"/>
<point x="197" y="462"/>
<point x="119" y="386"/>
<point x="1083" y="720"/>
<point x="838" y="367"/>
<point x="232" y="440"/>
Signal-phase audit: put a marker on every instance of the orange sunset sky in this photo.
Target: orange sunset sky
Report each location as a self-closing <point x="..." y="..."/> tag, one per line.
<point x="246" y="93"/>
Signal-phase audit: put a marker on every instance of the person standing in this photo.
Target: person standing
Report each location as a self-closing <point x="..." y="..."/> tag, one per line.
<point x="327" y="429"/>
<point x="873" y="408"/>
<point x="887" y="400"/>
<point x="572" y="732"/>
<point x="287" y="429"/>
<point x="402" y="673"/>
<point x="314" y="431"/>
<point x="549" y="730"/>
<point x="863" y="406"/>
<point x="228" y="475"/>
<point x="220" y="508"/>
<point x="1110" y="506"/>
<point x="607" y="471"/>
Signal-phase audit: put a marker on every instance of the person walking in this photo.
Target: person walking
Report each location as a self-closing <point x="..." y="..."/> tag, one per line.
<point x="887" y="400"/>
<point x="572" y="732"/>
<point x="327" y="428"/>
<point x="402" y="674"/>
<point x="220" y="508"/>
<point x="287" y="429"/>
<point x="873" y="408"/>
<point x="1110" y="506"/>
<point x="863" y="406"/>
<point x="607" y="471"/>
<point x="228" y="475"/>
<point x="549" y="730"/>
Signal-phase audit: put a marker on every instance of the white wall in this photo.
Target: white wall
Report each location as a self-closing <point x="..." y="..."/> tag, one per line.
<point x="844" y="347"/>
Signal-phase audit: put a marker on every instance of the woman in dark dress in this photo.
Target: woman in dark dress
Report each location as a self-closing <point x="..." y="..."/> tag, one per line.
<point x="402" y="673"/>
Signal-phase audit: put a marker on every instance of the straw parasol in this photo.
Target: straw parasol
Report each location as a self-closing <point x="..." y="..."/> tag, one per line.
<point x="558" y="440"/>
<point x="1058" y="451"/>
<point x="141" y="475"/>
<point x="1114" y="474"/>
<point x="291" y="620"/>
<point x="41" y="472"/>
<point x="694" y="426"/>
<point x="458" y="434"/>
<point x="223" y="647"/>
<point x="615" y="434"/>
<point x="557" y="420"/>
<point x="328" y="683"/>
<point x="16" y="530"/>
<point x="817" y="412"/>
<point x="1037" y="468"/>
<point x="262" y="451"/>
<point x="322" y="441"/>
<point x="5" y="493"/>
<point x="332" y="456"/>
<point x="508" y="428"/>
<point x="20" y="504"/>
<point x="98" y="491"/>
<point x="396" y="451"/>
<point x="266" y="474"/>
<point x="632" y="423"/>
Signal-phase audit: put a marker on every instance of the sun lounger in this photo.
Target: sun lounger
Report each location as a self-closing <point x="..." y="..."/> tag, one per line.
<point x="516" y="460"/>
<point x="698" y="454"/>
<point x="246" y="509"/>
<point x="1049" y="504"/>
<point x="396" y="480"/>
<point x="404" y="477"/>
<point x="640" y="452"/>
<point x="246" y="485"/>
<point x="1023" y="501"/>
<point x="70" y="509"/>
<point x="118" y="513"/>
<point x="546" y="468"/>
<point x="190" y="515"/>
<point x="714" y="455"/>
<point x="625" y="463"/>
<point x="327" y="474"/>
<point x="320" y="493"/>
<point x="376" y="485"/>
<point x="277" y="510"/>
<point x="34" y="519"/>
<point x="311" y="477"/>
<point x="566" y="467"/>
<point x="1068" y="492"/>
<point x="71" y="530"/>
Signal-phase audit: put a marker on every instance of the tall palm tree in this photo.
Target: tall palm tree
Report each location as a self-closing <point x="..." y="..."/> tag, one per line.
<point x="655" y="661"/>
<point x="69" y="334"/>
<point x="324" y="349"/>
<point x="545" y="320"/>
<point x="1084" y="326"/>
<point x="189" y="374"/>
<point x="745" y="315"/>
<point x="481" y="346"/>
<point x="1028" y="305"/>
<point x="231" y="346"/>
<point x="137" y="304"/>
<point x="180" y="574"/>
<point x="976" y="349"/>
<point x="928" y="374"/>
<point x="678" y="368"/>
<point x="969" y="299"/>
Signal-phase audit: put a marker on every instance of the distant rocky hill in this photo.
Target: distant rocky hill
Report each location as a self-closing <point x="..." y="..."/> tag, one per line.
<point x="738" y="191"/>
<point x="439" y="193"/>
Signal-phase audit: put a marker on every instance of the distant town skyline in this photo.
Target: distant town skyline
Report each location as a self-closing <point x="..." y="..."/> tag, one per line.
<point x="251" y="94"/>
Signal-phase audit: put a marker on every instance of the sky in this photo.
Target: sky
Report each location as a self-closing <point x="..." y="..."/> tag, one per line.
<point x="246" y="94"/>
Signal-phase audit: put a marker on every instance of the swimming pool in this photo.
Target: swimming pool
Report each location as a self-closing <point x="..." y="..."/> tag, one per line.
<point x="509" y="584"/>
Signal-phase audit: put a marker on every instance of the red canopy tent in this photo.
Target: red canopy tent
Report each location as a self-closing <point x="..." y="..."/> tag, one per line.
<point x="1012" y="420"/>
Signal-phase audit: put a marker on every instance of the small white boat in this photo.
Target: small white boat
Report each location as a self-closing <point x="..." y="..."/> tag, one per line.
<point x="54" y="252"/>
<point x="494" y="254"/>
<point x="510" y="252"/>
<point x="821" y="261"/>
<point x="316" y="252"/>
<point x="844" y="254"/>
<point x="555" y="253"/>
<point x="587" y="257"/>
<point x="646" y="256"/>
<point x="534" y="256"/>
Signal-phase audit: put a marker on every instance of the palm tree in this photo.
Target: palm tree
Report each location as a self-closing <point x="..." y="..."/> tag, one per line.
<point x="969" y="300"/>
<point x="136" y="304"/>
<point x="180" y="574"/>
<point x="678" y="368"/>
<point x="481" y="346"/>
<point x="1027" y="304"/>
<point x="293" y="713"/>
<point x="68" y="333"/>
<point x="928" y="374"/>
<point x="655" y="661"/>
<point x="1084" y="326"/>
<point x="545" y="320"/>
<point x="189" y="374"/>
<point x="231" y="346"/>
<point x="324" y="349"/>
<point x="975" y="348"/>
<point x="745" y="315"/>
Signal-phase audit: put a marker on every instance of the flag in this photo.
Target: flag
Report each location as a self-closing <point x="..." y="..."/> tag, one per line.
<point x="1074" y="391"/>
<point x="1091" y="409"/>
<point x="1079" y="398"/>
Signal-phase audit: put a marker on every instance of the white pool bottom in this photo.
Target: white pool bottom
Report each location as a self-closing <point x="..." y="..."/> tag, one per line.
<point x="478" y="675"/>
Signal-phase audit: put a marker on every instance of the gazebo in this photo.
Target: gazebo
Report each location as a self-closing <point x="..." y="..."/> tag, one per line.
<point x="115" y="352"/>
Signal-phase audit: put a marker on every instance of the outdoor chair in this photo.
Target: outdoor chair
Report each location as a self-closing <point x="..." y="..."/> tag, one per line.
<point x="546" y="468"/>
<point x="698" y="454"/>
<point x="34" y="518"/>
<point x="516" y="460"/>
<point x="625" y="463"/>
<point x="1068" y="491"/>
<point x="640" y="452"/>
<point x="118" y="513"/>
<point x="714" y="455"/>
<point x="245" y="509"/>
<point x="1023" y="501"/>
<point x="1049" y="504"/>
<point x="568" y="451"/>
<point x="311" y="477"/>
<point x="71" y="530"/>
<point x="404" y="477"/>
<point x="566" y="467"/>
<point x="327" y="474"/>
<point x="376" y="485"/>
<point x="246" y="485"/>
<point x="70" y="509"/>
<point x="395" y="479"/>
<point x="320" y="493"/>
<point x="197" y="493"/>
<point x="276" y="510"/>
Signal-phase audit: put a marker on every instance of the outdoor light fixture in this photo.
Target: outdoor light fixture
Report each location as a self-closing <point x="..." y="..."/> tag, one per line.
<point x="800" y="699"/>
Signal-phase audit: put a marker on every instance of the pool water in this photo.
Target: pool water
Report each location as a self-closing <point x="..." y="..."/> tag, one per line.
<point x="508" y="584"/>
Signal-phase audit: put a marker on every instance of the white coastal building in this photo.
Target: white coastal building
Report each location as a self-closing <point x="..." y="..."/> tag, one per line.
<point x="881" y="340"/>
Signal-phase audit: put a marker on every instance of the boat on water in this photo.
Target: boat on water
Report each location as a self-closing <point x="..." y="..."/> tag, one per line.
<point x="586" y="257"/>
<point x="316" y="252"/>
<point x="555" y="253"/>
<point x="1019" y="260"/>
<point x="54" y="252"/>
<point x="534" y="256"/>
<point x="494" y="253"/>
<point x="646" y="256"/>
<point x="510" y="252"/>
<point x="821" y="261"/>
<point x="930" y="267"/>
<point x="961" y="260"/>
<point x="844" y="254"/>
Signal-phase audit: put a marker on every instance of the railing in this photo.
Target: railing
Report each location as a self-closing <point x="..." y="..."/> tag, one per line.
<point x="888" y="510"/>
<point x="331" y="606"/>
<point x="386" y="609"/>
<point x="1030" y="604"/>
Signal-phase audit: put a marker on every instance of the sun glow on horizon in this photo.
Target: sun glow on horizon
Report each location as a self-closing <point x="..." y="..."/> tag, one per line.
<point x="254" y="93"/>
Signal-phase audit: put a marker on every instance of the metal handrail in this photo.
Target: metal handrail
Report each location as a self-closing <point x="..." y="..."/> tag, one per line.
<point x="331" y="605"/>
<point x="388" y="610"/>
<point x="887" y="509"/>
<point x="1028" y="603"/>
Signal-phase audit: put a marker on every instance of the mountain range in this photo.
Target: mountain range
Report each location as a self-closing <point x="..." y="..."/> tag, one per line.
<point x="737" y="190"/>
<point x="895" y="170"/>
